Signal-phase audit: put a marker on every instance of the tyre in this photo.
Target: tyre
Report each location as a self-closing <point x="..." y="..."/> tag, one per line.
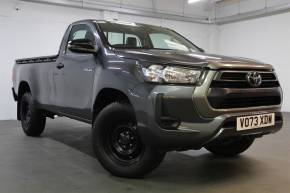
<point x="32" y="121"/>
<point x="117" y="144"/>
<point x="231" y="146"/>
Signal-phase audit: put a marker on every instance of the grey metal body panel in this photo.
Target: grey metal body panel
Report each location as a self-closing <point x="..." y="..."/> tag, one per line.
<point x="72" y="90"/>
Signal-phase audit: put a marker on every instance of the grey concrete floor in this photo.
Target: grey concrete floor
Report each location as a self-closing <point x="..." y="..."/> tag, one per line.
<point x="62" y="161"/>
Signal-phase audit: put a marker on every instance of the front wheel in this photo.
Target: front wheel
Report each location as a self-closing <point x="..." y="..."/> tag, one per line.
<point x="231" y="146"/>
<point x="118" y="146"/>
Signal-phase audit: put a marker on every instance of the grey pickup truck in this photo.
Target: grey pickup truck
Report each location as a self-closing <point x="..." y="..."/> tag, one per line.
<point x="147" y="90"/>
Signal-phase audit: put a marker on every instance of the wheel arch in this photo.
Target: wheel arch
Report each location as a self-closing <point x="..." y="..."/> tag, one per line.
<point x="105" y="97"/>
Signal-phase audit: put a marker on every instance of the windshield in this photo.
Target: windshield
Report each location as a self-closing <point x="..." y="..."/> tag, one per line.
<point x="134" y="36"/>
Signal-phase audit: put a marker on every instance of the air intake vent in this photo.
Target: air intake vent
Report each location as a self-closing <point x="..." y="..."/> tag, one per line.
<point x="245" y="102"/>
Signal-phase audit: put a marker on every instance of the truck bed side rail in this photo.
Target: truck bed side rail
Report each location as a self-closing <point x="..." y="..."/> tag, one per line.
<point x="37" y="59"/>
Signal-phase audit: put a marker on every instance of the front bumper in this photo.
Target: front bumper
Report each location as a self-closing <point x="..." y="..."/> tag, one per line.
<point x="179" y="117"/>
<point x="192" y="130"/>
<point x="181" y="139"/>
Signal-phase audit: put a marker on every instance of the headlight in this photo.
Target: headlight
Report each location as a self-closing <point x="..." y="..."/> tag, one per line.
<point x="170" y="74"/>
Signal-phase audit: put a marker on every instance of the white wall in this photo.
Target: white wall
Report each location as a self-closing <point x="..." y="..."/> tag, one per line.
<point x="234" y="8"/>
<point x="36" y="30"/>
<point x="266" y="39"/>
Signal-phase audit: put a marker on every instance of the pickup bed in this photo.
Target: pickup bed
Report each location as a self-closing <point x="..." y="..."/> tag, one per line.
<point x="147" y="90"/>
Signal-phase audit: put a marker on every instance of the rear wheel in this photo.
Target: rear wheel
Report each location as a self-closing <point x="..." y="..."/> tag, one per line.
<point x="32" y="121"/>
<point x="118" y="146"/>
<point x="231" y="146"/>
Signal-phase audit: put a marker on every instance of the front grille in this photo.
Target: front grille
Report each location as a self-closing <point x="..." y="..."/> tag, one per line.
<point x="242" y="84"/>
<point x="242" y="76"/>
<point x="239" y="102"/>
<point x="230" y="89"/>
<point x="238" y="80"/>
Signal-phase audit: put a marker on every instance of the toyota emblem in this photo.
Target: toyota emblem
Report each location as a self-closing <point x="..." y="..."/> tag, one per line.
<point x="254" y="79"/>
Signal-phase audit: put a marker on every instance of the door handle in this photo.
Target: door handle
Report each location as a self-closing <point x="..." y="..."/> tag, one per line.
<point x="60" y="65"/>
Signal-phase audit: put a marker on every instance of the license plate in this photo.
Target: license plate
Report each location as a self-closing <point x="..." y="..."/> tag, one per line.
<point x="255" y="121"/>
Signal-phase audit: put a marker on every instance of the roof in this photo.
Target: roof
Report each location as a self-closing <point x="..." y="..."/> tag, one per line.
<point x="113" y="21"/>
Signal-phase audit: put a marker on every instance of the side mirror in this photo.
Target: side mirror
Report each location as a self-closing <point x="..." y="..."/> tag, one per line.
<point x="82" y="46"/>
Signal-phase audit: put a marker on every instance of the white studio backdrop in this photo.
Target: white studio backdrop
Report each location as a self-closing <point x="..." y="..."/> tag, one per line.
<point x="37" y="29"/>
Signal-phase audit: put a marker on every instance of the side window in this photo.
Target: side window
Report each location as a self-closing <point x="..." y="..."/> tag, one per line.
<point x="115" y="38"/>
<point x="81" y="31"/>
<point x="81" y="34"/>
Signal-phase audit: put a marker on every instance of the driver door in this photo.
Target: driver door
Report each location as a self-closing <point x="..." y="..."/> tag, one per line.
<point x="75" y="84"/>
